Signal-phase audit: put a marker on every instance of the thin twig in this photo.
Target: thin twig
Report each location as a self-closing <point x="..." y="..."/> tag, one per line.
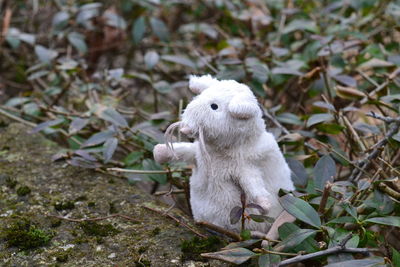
<point x="142" y="171"/>
<point x="161" y="193"/>
<point x="176" y="220"/>
<point x="267" y="115"/>
<point x="324" y="198"/>
<point x="377" y="148"/>
<point x="329" y="251"/>
<point x="96" y="219"/>
<point x="13" y="117"/>
<point x="220" y="230"/>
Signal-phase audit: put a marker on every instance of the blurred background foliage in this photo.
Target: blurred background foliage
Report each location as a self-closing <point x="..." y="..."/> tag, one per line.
<point x="105" y="78"/>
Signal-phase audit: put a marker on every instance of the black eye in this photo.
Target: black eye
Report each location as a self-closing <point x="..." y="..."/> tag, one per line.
<point x="214" y="106"/>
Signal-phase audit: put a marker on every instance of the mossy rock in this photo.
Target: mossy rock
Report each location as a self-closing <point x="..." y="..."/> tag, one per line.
<point x="27" y="162"/>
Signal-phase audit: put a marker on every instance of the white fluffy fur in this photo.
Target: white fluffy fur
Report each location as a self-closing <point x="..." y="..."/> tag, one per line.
<point x="238" y="154"/>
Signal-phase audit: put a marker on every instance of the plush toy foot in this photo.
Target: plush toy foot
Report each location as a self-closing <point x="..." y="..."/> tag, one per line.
<point x="161" y="153"/>
<point x="284" y="217"/>
<point x="264" y="203"/>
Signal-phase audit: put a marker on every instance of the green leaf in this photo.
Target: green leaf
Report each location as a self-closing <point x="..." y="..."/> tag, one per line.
<point x="83" y="163"/>
<point x="37" y="74"/>
<point x="329" y="128"/>
<point x="295" y="239"/>
<point x="301" y="210"/>
<point x="309" y="245"/>
<point x="396" y="257"/>
<point x="77" y="124"/>
<point x="235" y="255"/>
<point x="235" y="214"/>
<point x="343" y="219"/>
<point x="324" y="171"/>
<point x="389" y="220"/>
<point x="259" y="70"/>
<point x="245" y="234"/>
<point x="242" y="244"/>
<point x="289" y="118"/>
<point x="258" y="218"/>
<point x="114" y="20"/>
<point x="369" y="262"/>
<point x="133" y="157"/>
<point x="109" y="148"/>
<point x="17" y="101"/>
<point x="151" y="58"/>
<point x="114" y="117"/>
<point x="299" y="174"/>
<point x="46" y="124"/>
<point x="318" y="118"/>
<point x="149" y="164"/>
<point x="268" y="260"/>
<point x="77" y="40"/>
<point x="179" y="59"/>
<point x="98" y="138"/>
<point x="44" y="54"/>
<point x="162" y="87"/>
<point x="301" y="24"/>
<point x="138" y="30"/>
<point x="160" y="29"/>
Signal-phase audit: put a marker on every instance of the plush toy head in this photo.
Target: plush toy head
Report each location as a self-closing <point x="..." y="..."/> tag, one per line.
<point x="223" y="112"/>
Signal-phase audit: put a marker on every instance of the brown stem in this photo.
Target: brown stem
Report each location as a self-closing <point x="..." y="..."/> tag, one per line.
<point x="220" y="230"/>
<point x="176" y="220"/>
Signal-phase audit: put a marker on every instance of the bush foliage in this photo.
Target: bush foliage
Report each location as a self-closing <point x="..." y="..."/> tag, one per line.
<point x="106" y="78"/>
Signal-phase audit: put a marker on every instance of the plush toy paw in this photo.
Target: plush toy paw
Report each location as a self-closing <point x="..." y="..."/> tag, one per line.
<point x="264" y="203"/>
<point x="161" y="153"/>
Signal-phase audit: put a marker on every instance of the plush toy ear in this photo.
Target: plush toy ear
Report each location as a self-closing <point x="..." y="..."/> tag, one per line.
<point x="243" y="107"/>
<point x="199" y="83"/>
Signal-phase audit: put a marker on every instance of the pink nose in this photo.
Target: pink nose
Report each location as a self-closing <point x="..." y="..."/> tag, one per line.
<point x="186" y="130"/>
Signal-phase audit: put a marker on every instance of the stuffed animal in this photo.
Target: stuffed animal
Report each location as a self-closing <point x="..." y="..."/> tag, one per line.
<point x="232" y="154"/>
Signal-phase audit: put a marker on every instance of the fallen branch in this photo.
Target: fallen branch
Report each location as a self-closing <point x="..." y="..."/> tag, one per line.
<point x="176" y="220"/>
<point x="220" y="230"/>
<point x="96" y="219"/>
<point x="340" y="248"/>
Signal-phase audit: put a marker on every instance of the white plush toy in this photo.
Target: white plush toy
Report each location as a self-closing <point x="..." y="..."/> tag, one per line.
<point x="233" y="153"/>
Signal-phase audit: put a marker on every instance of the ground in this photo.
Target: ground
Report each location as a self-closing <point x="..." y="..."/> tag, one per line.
<point x="32" y="188"/>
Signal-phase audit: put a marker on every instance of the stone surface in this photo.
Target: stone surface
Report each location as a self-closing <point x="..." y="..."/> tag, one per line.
<point x="25" y="160"/>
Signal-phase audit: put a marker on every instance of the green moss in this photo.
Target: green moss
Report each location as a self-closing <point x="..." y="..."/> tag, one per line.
<point x="80" y="240"/>
<point x="81" y="198"/>
<point x="95" y="229"/>
<point x="55" y="222"/>
<point x="67" y="205"/>
<point x="11" y="183"/>
<point x="191" y="249"/>
<point x="112" y="209"/>
<point x="23" y="190"/>
<point x="142" y="263"/>
<point x="91" y="204"/>
<point x="62" y="256"/>
<point x="23" y="234"/>
<point x="143" y="249"/>
<point x="155" y="231"/>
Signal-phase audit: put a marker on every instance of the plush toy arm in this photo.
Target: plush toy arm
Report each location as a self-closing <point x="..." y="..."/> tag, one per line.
<point x="183" y="151"/>
<point x="253" y="186"/>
